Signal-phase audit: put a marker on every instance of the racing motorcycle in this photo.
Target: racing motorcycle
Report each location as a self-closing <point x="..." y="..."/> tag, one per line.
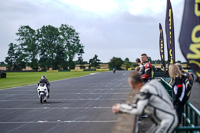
<point x="114" y="70"/>
<point x="42" y="92"/>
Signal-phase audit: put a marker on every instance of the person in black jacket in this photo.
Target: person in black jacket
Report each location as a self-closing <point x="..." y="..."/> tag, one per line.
<point x="178" y="89"/>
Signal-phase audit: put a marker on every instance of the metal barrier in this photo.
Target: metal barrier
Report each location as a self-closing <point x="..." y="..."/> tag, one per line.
<point x="159" y="73"/>
<point x="191" y="116"/>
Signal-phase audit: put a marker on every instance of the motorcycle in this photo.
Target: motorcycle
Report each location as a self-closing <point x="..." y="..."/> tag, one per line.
<point x="42" y="92"/>
<point x="114" y="70"/>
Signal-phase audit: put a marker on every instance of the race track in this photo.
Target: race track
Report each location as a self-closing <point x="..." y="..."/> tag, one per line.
<point x="78" y="105"/>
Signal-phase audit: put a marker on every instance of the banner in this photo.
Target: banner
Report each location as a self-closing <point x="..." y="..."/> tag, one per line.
<point x="169" y="27"/>
<point x="190" y="34"/>
<point x="161" y="45"/>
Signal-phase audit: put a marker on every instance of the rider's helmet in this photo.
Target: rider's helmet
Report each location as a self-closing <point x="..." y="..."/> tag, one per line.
<point x="43" y="77"/>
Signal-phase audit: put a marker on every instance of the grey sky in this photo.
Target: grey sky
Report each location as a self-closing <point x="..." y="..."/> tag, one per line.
<point x="122" y="28"/>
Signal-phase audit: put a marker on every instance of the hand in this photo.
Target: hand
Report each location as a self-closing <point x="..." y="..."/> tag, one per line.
<point x="115" y="108"/>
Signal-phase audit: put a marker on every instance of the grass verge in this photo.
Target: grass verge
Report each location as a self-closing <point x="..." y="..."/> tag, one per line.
<point x="15" y="79"/>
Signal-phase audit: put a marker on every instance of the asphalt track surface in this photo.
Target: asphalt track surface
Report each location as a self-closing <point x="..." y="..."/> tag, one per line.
<point x="78" y="105"/>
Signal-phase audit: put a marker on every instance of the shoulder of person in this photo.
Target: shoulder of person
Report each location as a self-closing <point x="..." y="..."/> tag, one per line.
<point x="150" y="85"/>
<point x="148" y="65"/>
<point x="185" y="74"/>
<point x="144" y="94"/>
<point x="178" y="80"/>
<point x="141" y="65"/>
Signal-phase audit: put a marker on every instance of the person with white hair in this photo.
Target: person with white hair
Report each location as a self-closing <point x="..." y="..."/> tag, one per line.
<point x="154" y="101"/>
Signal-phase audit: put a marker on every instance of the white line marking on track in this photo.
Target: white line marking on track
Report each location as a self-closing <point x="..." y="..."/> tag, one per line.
<point x="125" y="73"/>
<point x="40" y="122"/>
<point x="45" y="108"/>
<point x="74" y="93"/>
<point x="66" y="100"/>
<point x="93" y="73"/>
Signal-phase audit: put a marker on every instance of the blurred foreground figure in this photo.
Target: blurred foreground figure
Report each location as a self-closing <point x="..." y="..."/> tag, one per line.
<point x="154" y="101"/>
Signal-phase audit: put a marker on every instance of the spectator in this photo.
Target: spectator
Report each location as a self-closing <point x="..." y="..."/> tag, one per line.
<point x="146" y="76"/>
<point x="152" y="100"/>
<point x="178" y="88"/>
<point x="188" y="78"/>
<point x="141" y="67"/>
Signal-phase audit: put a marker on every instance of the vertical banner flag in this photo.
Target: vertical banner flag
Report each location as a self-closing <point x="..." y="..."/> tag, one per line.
<point x="189" y="38"/>
<point x="161" y="43"/>
<point x="169" y="27"/>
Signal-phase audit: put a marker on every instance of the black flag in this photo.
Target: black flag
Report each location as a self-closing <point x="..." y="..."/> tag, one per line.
<point x="161" y="43"/>
<point x="169" y="27"/>
<point x="190" y="34"/>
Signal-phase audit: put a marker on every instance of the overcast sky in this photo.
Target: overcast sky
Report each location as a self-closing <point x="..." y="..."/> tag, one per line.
<point x="121" y="28"/>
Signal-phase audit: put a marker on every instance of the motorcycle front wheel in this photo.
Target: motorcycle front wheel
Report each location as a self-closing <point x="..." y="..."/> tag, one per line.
<point x="41" y="98"/>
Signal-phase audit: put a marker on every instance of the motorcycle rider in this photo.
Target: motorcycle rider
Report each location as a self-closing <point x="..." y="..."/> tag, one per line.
<point x="114" y="70"/>
<point x="146" y="76"/>
<point x="45" y="80"/>
<point x="152" y="100"/>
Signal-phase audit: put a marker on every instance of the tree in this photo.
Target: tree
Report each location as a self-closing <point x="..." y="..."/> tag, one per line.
<point x="48" y="39"/>
<point x="134" y="64"/>
<point x="94" y="62"/>
<point x="60" y="57"/>
<point x="80" y="58"/>
<point x="116" y="63"/>
<point x="47" y="47"/>
<point x="15" y="59"/>
<point x="127" y="63"/>
<point x="71" y="42"/>
<point x="2" y="63"/>
<point x="27" y="39"/>
<point x="10" y="59"/>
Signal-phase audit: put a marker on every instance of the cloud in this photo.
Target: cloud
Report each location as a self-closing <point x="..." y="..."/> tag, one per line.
<point x="93" y="6"/>
<point x="123" y="28"/>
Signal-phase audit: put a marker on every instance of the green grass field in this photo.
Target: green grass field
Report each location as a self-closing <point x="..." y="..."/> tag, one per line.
<point x="15" y="79"/>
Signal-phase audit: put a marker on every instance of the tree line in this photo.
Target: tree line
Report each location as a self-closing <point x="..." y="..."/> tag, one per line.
<point x="46" y="47"/>
<point x="56" y="48"/>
